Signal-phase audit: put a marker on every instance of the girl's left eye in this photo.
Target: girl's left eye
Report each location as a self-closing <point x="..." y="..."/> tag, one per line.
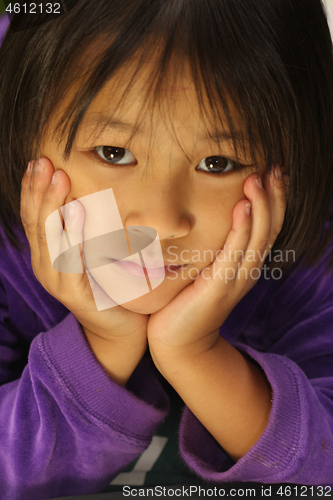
<point x="218" y="165"/>
<point x="115" y="155"/>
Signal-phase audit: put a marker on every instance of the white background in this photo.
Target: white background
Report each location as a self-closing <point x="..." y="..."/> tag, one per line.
<point x="329" y="7"/>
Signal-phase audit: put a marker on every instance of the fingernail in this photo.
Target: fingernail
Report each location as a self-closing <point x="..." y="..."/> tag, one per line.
<point x="277" y="173"/>
<point x="248" y="208"/>
<point x="39" y="166"/>
<point x="259" y="182"/>
<point x="55" y="179"/>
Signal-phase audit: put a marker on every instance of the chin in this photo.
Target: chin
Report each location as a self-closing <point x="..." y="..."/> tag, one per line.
<point x="145" y="306"/>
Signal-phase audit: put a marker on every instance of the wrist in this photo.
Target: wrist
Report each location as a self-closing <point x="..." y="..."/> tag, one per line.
<point x="118" y="356"/>
<point x="225" y="390"/>
<point x="168" y="358"/>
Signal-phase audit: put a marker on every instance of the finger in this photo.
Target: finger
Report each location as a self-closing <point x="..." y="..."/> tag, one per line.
<point x="225" y="266"/>
<point x="24" y="187"/>
<point x="239" y="235"/>
<point x="258" y="247"/>
<point x="276" y="190"/>
<point x="50" y="233"/>
<point x="34" y="184"/>
<point x="72" y="242"/>
<point x="61" y="236"/>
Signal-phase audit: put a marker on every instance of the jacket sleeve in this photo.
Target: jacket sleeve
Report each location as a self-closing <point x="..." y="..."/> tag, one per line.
<point x="294" y="348"/>
<point x="65" y="426"/>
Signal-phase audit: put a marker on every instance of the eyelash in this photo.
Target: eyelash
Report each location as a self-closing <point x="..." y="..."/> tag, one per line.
<point x="236" y="165"/>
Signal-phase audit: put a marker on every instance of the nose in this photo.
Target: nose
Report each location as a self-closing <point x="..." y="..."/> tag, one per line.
<point x="162" y="206"/>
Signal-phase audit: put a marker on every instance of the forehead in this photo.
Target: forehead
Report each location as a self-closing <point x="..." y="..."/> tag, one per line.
<point x="135" y="95"/>
<point x="135" y="88"/>
<point x="146" y="80"/>
<point x="133" y="104"/>
<point x="140" y="95"/>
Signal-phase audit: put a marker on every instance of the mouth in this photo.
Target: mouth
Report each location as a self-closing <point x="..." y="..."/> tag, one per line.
<point x="152" y="272"/>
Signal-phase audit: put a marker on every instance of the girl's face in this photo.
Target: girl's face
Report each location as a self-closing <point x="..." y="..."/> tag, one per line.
<point x="160" y="177"/>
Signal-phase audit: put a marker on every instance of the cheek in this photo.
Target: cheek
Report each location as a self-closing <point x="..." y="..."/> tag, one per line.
<point x="216" y="210"/>
<point x="79" y="186"/>
<point x="83" y="180"/>
<point x="82" y="184"/>
<point x="222" y="197"/>
<point x="220" y="193"/>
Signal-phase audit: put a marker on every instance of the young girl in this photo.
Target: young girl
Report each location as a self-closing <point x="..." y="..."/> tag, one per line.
<point x="212" y="123"/>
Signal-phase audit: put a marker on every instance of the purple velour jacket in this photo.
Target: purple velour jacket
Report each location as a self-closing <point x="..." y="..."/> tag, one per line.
<point x="67" y="428"/>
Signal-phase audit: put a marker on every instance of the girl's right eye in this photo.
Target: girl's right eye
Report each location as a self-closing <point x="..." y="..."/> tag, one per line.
<point x="115" y="155"/>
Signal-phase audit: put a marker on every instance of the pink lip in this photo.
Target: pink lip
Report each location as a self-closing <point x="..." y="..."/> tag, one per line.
<point x="153" y="273"/>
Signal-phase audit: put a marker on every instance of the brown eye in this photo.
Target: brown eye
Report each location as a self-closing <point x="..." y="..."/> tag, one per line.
<point x="115" y="155"/>
<point x="217" y="164"/>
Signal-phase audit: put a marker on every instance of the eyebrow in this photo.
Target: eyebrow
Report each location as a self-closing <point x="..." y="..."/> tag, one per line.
<point x="112" y="124"/>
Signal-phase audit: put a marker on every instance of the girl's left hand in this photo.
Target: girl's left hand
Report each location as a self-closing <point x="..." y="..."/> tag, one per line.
<point x="190" y="322"/>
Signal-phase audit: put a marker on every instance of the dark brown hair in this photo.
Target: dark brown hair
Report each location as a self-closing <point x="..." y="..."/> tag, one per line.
<point x="271" y="59"/>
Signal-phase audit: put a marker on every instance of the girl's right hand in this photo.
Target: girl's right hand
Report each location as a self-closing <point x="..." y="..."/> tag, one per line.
<point x="112" y="333"/>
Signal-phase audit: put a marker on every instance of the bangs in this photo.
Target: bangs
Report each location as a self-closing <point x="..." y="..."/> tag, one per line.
<point x="175" y="38"/>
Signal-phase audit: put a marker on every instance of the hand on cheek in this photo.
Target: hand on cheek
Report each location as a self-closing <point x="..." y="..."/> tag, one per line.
<point x="192" y="319"/>
<point x="44" y="192"/>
